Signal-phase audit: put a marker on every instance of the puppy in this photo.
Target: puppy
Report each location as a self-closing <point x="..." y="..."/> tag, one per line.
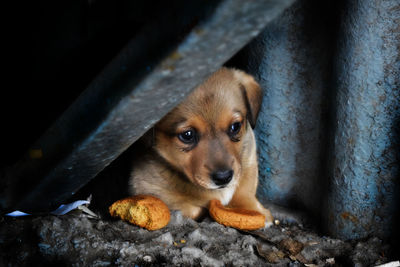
<point x="205" y="149"/>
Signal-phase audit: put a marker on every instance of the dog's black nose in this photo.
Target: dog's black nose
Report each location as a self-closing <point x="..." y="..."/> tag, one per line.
<point x="222" y="177"/>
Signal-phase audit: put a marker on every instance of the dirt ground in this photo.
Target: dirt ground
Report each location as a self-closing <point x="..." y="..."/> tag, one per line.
<point x="76" y="239"/>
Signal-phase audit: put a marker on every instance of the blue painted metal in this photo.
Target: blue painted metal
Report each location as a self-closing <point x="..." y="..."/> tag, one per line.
<point x="291" y="62"/>
<point x="328" y="132"/>
<point x="364" y="163"/>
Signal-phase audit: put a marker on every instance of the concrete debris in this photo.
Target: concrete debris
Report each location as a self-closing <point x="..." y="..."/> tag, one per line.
<point x="292" y="246"/>
<point x="78" y="239"/>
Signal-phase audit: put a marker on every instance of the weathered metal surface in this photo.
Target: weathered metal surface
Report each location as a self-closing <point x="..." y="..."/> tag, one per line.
<point x="127" y="98"/>
<point x="291" y="61"/>
<point x="365" y="153"/>
<point x="329" y="139"/>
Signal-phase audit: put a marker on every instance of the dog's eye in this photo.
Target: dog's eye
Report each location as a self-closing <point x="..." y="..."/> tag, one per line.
<point x="188" y="137"/>
<point x="235" y="128"/>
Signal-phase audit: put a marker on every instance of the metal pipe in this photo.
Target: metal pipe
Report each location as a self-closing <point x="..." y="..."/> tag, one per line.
<point x="365" y="149"/>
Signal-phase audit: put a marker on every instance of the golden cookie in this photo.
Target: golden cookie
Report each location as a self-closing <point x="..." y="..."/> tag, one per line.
<point x="143" y="210"/>
<point x="235" y="217"/>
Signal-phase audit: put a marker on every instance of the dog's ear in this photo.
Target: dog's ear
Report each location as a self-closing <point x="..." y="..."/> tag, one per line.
<point x="252" y="95"/>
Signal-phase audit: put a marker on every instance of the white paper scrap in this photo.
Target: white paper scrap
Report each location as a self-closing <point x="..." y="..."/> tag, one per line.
<point x="88" y="212"/>
<point x="63" y="209"/>
<point x="17" y="213"/>
<point x="390" y="264"/>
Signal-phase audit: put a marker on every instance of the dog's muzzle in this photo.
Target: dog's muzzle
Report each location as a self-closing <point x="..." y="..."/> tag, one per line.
<point x="222" y="177"/>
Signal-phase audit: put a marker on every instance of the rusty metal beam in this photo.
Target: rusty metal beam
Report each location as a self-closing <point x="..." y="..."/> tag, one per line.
<point x="151" y="75"/>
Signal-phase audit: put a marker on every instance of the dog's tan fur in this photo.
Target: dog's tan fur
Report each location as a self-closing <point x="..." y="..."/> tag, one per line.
<point x="179" y="173"/>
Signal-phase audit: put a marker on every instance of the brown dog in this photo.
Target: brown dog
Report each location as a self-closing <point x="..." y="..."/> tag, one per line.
<point x="205" y="148"/>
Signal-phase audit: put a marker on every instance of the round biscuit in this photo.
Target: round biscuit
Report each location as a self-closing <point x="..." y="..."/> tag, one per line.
<point x="235" y="217"/>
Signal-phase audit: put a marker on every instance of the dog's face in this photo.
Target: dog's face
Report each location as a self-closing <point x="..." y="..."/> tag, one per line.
<point x="205" y="136"/>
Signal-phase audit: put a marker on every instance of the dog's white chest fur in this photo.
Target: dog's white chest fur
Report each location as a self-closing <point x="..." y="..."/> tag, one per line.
<point x="227" y="194"/>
